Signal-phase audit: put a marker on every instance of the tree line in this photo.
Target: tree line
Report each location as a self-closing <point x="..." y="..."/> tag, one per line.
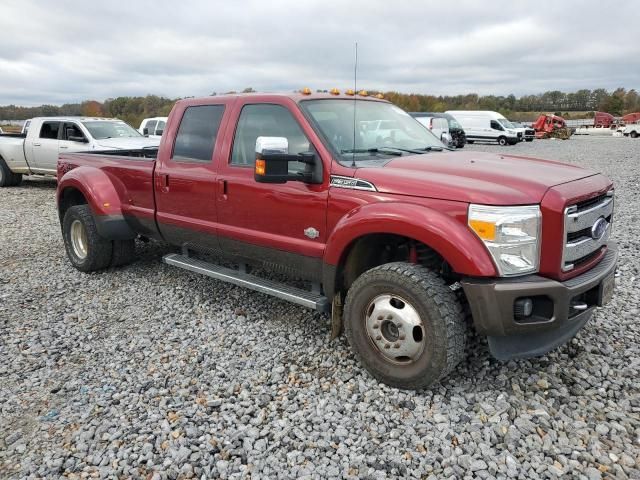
<point x="133" y="109"/>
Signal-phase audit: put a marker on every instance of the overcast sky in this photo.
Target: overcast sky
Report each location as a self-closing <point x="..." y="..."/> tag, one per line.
<point x="69" y="51"/>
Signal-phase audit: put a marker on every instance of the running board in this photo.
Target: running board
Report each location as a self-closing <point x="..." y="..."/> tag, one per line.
<point x="305" y="298"/>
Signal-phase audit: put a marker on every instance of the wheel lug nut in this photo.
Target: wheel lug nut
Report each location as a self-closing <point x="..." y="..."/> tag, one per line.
<point x="389" y="317"/>
<point x="387" y="346"/>
<point x="397" y="345"/>
<point x="401" y="337"/>
<point x="378" y="337"/>
<point x="377" y="325"/>
<point x="380" y="317"/>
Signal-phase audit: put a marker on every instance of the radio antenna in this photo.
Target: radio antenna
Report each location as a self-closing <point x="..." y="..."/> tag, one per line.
<point x="355" y="94"/>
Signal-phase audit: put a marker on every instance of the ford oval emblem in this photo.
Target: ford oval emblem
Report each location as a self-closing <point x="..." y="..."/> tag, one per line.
<point x="599" y="228"/>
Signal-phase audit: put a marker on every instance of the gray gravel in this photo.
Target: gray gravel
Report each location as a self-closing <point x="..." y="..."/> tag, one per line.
<point x="151" y="372"/>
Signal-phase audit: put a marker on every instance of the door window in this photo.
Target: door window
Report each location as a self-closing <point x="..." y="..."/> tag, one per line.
<point x="496" y="126"/>
<point x="197" y="133"/>
<point x="266" y="121"/>
<point x="150" y="126"/>
<point x="159" y="126"/>
<point x="50" y="130"/>
<point x="71" y="130"/>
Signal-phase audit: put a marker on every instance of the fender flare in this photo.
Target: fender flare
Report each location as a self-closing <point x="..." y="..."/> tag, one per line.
<point x="458" y="245"/>
<point x="102" y="197"/>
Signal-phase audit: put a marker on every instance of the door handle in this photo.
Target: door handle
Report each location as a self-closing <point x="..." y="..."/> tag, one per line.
<point x="163" y="182"/>
<point x="62" y="147"/>
<point x="37" y="144"/>
<point x="223" y="188"/>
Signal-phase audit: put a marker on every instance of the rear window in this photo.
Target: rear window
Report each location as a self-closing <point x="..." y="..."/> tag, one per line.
<point x="50" y="130"/>
<point x="197" y="133"/>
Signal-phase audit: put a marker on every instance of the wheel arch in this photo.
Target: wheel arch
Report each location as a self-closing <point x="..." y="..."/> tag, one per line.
<point x="359" y="238"/>
<point x="91" y="186"/>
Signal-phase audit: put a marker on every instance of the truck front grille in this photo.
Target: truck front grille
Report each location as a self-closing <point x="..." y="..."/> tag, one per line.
<point x="585" y="234"/>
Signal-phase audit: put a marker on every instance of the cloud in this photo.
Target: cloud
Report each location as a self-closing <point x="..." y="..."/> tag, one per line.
<point x="69" y="51"/>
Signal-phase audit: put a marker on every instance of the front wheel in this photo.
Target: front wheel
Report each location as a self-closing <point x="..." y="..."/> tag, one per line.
<point x="502" y="141"/>
<point x="634" y="134"/>
<point x="405" y="326"/>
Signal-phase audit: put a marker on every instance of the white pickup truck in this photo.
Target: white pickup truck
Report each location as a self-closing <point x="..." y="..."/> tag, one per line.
<point x="36" y="151"/>
<point x="631" y="130"/>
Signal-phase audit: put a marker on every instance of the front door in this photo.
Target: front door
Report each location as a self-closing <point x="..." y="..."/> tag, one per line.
<point x="45" y="147"/>
<point x="72" y="138"/>
<point x="186" y="180"/>
<point x="275" y="224"/>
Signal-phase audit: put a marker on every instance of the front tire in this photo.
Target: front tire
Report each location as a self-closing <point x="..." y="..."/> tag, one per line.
<point x="634" y="134"/>
<point x="405" y="326"/>
<point x="502" y="141"/>
<point x="86" y="249"/>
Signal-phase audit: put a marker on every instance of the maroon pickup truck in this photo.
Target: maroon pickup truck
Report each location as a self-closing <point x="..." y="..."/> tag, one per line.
<point x="386" y="229"/>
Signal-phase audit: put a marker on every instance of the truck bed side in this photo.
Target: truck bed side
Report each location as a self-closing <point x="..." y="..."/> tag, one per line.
<point x="12" y="151"/>
<point x="116" y="186"/>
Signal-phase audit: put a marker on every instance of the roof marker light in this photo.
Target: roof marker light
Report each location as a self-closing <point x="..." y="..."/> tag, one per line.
<point x="380" y="96"/>
<point x="363" y="93"/>
<point x="306" y="91"/>
<point x="334" y="91"/>
<point x="349" y="92"/>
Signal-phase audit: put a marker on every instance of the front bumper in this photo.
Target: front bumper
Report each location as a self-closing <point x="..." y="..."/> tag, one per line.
<point x="553" y="321"/>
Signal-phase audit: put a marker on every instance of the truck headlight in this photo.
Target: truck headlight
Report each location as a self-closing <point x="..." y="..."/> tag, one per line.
<point x="511" y="234"/>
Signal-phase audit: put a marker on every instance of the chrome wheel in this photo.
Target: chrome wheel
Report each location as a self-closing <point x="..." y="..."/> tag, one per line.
<point x="78" y="239"/>
<point x="395" y="329"/>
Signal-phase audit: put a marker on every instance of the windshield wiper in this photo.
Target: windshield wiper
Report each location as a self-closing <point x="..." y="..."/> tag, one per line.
<point x="372" y="150"/>
<point x="436" y="149"/>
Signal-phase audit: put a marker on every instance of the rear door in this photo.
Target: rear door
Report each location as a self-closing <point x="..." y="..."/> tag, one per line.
<point x="277" y="224"/>
<point x="45" y="146"/>
<point x="185" y="179"/>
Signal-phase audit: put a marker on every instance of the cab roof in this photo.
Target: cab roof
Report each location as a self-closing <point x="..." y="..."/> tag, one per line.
<point x="295" y="96"/>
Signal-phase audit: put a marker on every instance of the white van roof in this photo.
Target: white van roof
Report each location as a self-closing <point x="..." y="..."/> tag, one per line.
<point x="476" y="113"/>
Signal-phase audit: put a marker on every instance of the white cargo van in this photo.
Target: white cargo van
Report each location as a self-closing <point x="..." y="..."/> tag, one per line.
<point x="486" y="126"/>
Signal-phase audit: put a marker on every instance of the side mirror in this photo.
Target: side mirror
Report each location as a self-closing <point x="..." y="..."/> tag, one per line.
<point x="273" y="159"/>
<point x="145" y="131"/>
<point x="159" y="132"/>
<point x="77" y="139"/>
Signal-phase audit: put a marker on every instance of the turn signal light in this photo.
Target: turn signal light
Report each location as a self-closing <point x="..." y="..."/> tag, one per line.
<point x="485" y="230"/>
<point x="261" y="167"/>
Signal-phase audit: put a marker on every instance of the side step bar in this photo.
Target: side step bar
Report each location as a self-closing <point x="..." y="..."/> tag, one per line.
<point x="305" y="298"/>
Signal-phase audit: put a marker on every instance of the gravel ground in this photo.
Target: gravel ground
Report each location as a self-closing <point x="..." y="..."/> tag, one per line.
<point x="151" y="372"/>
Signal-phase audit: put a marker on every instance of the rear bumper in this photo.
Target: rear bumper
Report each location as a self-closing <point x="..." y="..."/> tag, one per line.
<point x="553" y="321"/>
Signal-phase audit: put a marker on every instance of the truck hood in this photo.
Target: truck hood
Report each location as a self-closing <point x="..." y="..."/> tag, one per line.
<point x="472" y="177"/>
<point x="127" y="142"/>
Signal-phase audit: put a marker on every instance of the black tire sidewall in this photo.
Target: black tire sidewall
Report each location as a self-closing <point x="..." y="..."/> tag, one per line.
<point x="98" y="249"/>
<point x="502" y="141"/>
<point x="433" y="361"/>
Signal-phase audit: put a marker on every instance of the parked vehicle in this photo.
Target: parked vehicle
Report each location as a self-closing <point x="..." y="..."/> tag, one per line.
<point x="528" y="133"/>
<point x="36" y="152"/>
<point x="394" y="241"/>
<point x="600" y="120"/>
<point x="1" y="132"/>
<point x="486" y="126"/>
<point x="631" y="118"/>
<point x="455" y="130"/>
<point x="632" y="130"/>
<point x="153" y="127"/>
<point x="438" y="126"/>
<point x="551" y="126"/>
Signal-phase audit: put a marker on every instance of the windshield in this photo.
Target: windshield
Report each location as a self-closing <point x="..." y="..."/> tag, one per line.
<point x="506" y="123"/>
<point x="104" y="129"/>
<point x="453" y="123"/>
<point x="380" y="128"/>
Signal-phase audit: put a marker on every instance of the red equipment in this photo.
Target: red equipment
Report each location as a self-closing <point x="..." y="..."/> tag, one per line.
<point x="551" y="126"/>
